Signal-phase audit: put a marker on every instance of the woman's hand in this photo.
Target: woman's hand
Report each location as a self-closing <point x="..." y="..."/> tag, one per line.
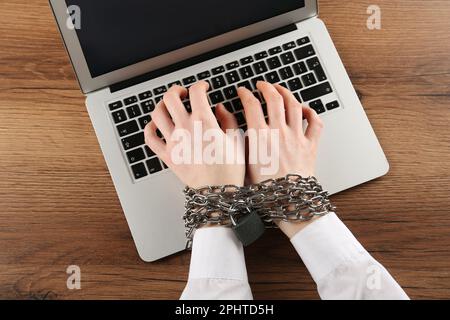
<point x="174" y="122"/>
<point x="297" y="147"/>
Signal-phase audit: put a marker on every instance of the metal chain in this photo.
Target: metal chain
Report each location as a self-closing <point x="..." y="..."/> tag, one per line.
<point x="291" y="198"/>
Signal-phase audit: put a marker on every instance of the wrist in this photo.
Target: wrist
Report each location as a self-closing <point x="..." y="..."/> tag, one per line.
<point x="223" y="181"/>
<point x="290" y="229"/>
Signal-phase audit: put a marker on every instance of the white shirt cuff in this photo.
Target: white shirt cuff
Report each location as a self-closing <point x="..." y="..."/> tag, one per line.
<point x="217" y="254"/>
<point x="325" y="244"/>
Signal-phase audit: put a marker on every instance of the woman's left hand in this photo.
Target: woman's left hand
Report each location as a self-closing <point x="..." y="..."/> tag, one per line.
<point x="173" y="120"/>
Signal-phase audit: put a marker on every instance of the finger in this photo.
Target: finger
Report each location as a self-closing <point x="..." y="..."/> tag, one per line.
<point x="226" y="119"/>
<point x="199" y="100"/>
<point x="275" y="104"/>
<point x="173" y="102"/>
<point x="162" y="120"/>
<point x="294" y="116"/>
<point x="252" y="108"/>
<point x="155" y="143"/>
<point x="315" y="125"/>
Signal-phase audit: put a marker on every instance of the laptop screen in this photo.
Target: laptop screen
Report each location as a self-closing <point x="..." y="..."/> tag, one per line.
<point x="117" y="33"/>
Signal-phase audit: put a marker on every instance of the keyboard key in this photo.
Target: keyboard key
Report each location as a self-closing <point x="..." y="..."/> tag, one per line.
<point x="145" y="95"/>
<point x="320" y="74"/>
<point x="283" y="84"/>
<point x="246" y="72"/>
<point x="295" y="84"/>
<point x="274" y="62"/>
<point x="115" y="105"/>
<point x="309" y="79"/>
<point x="187" y="106"/>
<point x="164" y="165"/>
<point x="135" y="155"/>
<point x="272" y="77"/>
<point x="218" y="70"/>
<point x="139" y="170"/>
<point x="245" y="84"/>
<point x="287" y="58"/>
<point x="317" y="105"/>
<point x="316" y="91"/>
<point x="203" y="75"/>
<point x="275" y="50"/>
<point x="332" y="105"/>
<point x="189" y="80"/>
<point x="218" y="82"/>
<point x="313" y="63"/>
<point x="149" y="152"/>
<point x="304" y="52"/>
<point x="153" y="165"/>
<point x="158" y="99"/>
<point x="175" y="83"/>
<point x="143" y="121"/>
<point x="246" y="60"/>
<point x="255" y="81"/>
<point x="148" y="106"/>
<point x="232" y="65"/>
<point x="303" y="41"/>
<point x="216" y="97"/>
<point x="130" y="100"/>
<point x="237" y="105"/>
<point x="300" y="68"/>
<point x="127" y="128"/>
<point x="119" y="116"/>
<point x="297" y="96"/>
<point x="133" y="141"/>
<point x="229" y="106"/>
<point x="209" y="83"/>
<point x="133" y="111"/>
<point x="240" y="118"/>
<point x="261" y="55"/>
<point x="260" y="67"/>
<point x="258" y="96"/>
<point x="232" y="77"/>
<point x="160" y="90"/>
<point x="264" y="109"/>
<point x="230" y="92"/>
<point x="286" y="73"/>
<point x="289" y="45"/>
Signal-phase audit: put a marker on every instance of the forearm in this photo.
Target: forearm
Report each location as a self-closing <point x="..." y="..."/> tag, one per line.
<point x="340" y="266"/>
<point x="217" y="268"/>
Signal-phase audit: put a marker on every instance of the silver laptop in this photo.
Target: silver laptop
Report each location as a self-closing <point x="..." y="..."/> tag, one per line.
<point x="126" y="54"/>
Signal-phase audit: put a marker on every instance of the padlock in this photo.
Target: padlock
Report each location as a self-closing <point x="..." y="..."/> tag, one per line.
<point x="249" y="228"/>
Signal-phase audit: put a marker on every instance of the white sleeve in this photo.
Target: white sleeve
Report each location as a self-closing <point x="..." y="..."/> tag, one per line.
<point x="340" y="266"/>
<point x="217" y="268"/>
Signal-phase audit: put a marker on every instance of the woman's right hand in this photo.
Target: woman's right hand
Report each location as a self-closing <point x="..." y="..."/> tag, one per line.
<point x="297" y="147"/>
<point x="297" y="150"/>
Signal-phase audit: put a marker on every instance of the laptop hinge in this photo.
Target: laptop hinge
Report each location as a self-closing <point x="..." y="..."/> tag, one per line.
<point x="203" y="57"/>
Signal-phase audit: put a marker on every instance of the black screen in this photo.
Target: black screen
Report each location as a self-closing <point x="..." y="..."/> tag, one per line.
<point x="118" y="33"/>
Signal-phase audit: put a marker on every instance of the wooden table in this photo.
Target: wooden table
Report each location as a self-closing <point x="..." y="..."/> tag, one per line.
<point x="58" y="206"/>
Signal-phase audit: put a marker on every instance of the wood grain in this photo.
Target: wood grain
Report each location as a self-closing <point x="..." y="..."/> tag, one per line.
<point x="58" y="206"/>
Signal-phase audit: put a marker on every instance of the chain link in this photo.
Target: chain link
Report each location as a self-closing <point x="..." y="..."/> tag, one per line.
<point x="291" y="198"/>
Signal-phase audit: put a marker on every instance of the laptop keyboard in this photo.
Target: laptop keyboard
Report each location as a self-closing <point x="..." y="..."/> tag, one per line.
<point x="293" y="65"/>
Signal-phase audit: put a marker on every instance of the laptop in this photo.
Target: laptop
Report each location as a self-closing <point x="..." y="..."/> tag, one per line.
<point x="126" y="54"/>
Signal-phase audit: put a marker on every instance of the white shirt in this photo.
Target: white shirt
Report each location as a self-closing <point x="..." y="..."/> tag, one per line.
<point x="339" y="265"/>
